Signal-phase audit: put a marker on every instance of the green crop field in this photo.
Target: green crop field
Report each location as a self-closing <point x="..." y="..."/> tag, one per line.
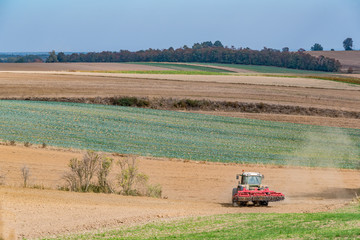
<point x="266" y="69"/>
<point x="332" y="225"/>
<point x="184" y="67"/>
<point x="172" y="134"/>
<point x="211" y="67"/>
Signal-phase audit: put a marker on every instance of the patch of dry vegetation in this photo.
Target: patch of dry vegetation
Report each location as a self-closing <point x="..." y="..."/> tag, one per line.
<point x="81" y="175"/>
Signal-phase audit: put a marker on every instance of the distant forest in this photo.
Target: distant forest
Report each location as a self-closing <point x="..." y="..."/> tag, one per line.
<point x="23" y="58"/>
<point x="208" y="52"/>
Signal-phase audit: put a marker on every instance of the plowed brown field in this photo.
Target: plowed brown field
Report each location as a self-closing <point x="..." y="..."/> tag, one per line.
<point x="192" y="189"/>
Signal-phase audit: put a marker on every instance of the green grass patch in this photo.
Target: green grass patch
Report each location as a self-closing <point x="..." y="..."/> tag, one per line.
<point x="243" y="226"/>
<point x="162" y="133"/>
<point x="266" y="69"/>
<point x="185" y="67"/>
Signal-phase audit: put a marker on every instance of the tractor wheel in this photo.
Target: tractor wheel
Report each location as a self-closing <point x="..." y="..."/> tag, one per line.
<point x="264" y="203"/>
<point x="243" y="204"/>
<point x="235" y="190"/>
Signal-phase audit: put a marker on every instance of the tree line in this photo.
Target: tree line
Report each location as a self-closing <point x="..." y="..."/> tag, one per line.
<point x="347" y="44"/>
<point x="208" y="52"/>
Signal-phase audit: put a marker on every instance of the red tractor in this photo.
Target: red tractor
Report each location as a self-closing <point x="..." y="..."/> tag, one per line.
<point x="249" y="189"/>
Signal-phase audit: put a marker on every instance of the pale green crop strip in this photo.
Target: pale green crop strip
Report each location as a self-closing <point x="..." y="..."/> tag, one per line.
<point x="177" y="135"/>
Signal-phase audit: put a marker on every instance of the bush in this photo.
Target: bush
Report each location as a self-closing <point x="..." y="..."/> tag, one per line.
<point x="103" y="173"/>
<point x="130" y="180"/>
<point x="82" y="172"/>
<point x="131" y="102"/>
<point x="154" y="191"/>
<point x="134" y="183"/>
<point x="191" y="103"/>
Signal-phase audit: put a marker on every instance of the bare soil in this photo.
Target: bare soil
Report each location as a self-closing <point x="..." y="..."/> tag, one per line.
<point x="191" y="188"/>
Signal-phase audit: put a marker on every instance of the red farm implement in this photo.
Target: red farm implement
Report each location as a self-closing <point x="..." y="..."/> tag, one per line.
<point x="249" y="189"/>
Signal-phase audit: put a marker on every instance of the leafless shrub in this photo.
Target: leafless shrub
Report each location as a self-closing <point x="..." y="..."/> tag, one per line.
<point x="132" y="182"/>
<point x="128" y="175"/>
<point x="25" y="173"/>
<point x="27" y="144"/>
<point x="103" y="173"/>
<point x="154" y="190"/>
<point x="89" y="167"/>
<point x="72" y="182"/>
<point x="79" y="178"/>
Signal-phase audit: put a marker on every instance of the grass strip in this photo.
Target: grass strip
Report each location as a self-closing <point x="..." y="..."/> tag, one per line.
<point x="339" y="225"/>
<point x="265" y="69"/>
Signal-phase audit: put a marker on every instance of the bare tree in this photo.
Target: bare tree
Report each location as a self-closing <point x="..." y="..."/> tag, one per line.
<point x="103" y="173"/>
<point x="90" y="166"/>
<point x="82" y="171"/>
<point x="133" y="182"/>
<point x="25" y="171"/>
<point x="128" y="175"/>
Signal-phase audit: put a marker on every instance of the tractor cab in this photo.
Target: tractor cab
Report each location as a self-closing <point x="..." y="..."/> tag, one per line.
<point x="250" y="180"/>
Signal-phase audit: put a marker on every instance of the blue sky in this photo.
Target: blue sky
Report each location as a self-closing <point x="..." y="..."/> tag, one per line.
<point x="93" y="25"/>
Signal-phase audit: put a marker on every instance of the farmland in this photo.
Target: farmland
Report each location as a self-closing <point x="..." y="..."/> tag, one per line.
<point x="221" y="143"/>
<point x="346" y="58"/>
<point x="233" y="68"/>
<point x="177" y="135"/>
<point x="191" y="189"/>
<point x="231" y="226"/>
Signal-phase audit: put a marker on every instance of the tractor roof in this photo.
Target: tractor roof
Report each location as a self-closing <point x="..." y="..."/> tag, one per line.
<point x="251" y="174"/>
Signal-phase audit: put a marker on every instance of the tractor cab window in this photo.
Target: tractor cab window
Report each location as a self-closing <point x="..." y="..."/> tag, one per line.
<point x="251" y="180"/>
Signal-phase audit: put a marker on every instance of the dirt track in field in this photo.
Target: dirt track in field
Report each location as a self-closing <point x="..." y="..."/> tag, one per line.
<point x="192" y="188"/>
